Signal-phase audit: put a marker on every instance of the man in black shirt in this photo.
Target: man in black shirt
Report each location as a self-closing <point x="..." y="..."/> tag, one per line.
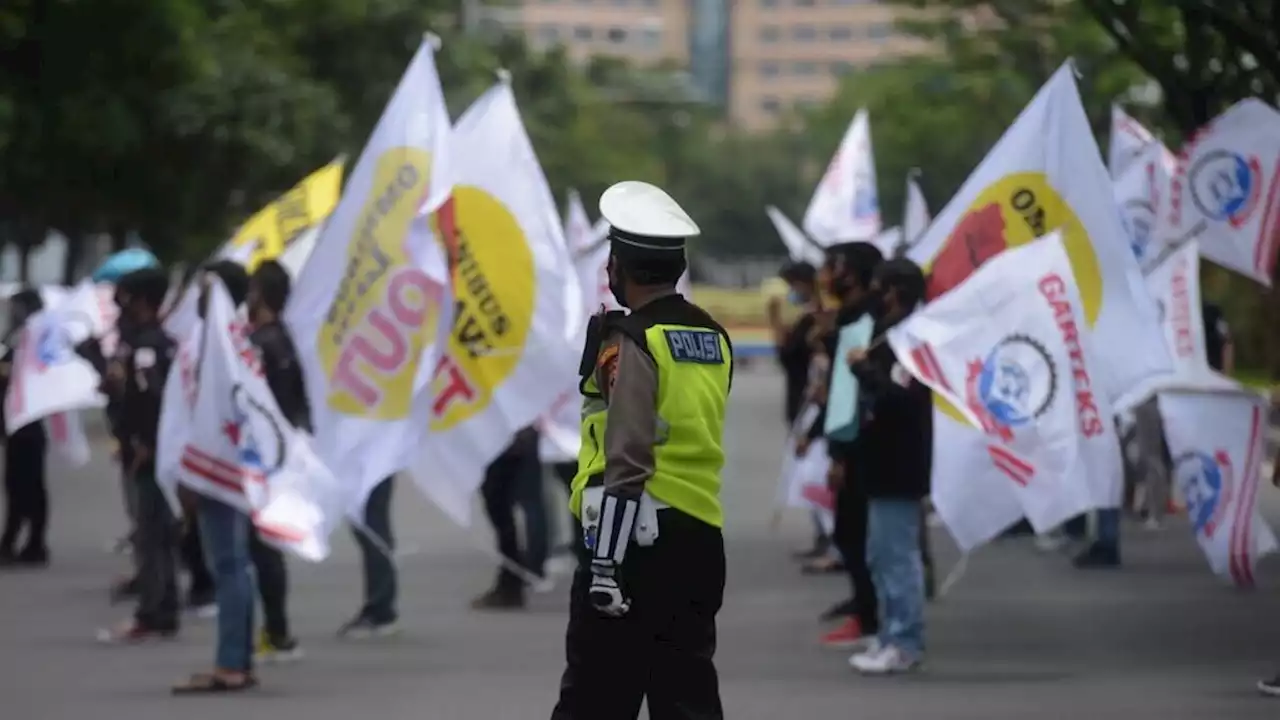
<point x="267" y="293"/>
<point x="26" y="498"/>
<point x="792" y="341"/>
<point x="852" y="266"/>
<point x="139" y="374"/>
<point x="892" y="464"/>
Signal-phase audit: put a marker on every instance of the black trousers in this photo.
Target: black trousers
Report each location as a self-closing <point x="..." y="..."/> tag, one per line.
<point x="381" y="584"/>
<point x="850" y="537"/>
<point x="157" y="538"/>
<point x="26" y="497"/>
<point x="662" y="650"/>
<point x="515" y="479"/>
<point x="273" y="586"/>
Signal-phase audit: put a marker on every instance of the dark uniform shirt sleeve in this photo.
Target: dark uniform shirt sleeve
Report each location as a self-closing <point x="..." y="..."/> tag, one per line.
<point x="146" y="369"/>
<point x="283" y="373"/>
<point x="628" y="377"/>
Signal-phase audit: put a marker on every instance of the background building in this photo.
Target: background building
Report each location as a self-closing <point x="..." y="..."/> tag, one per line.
<point x="754" y="57"/>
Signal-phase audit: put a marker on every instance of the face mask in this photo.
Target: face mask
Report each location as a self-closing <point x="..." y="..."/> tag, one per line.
<point x="794" y="298"/>
<point x="615" y="287"/>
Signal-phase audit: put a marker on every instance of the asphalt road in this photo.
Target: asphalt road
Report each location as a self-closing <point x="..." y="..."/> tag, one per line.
<point x="1022" y="635"/>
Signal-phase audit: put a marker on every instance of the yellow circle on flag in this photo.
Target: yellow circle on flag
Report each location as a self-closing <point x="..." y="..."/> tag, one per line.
<point x="494" y="289"/>
<point x="385" y="309"/>
<point x="1013" y="211"/>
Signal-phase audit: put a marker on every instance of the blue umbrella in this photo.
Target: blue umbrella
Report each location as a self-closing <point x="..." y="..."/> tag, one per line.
<point x="124" y="262"/>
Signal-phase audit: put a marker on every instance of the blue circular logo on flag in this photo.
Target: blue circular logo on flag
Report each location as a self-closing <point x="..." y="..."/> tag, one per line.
<point x="1226" y="186"/>
<point x="1017" y="381"/>
<point x="1205" y="481"/>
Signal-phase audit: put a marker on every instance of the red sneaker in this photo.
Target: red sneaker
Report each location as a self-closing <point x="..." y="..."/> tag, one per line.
<point x="847" y="635"/>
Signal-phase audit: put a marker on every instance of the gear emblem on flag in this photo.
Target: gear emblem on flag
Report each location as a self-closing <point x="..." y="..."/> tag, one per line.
<point x="1226" y="186"/>
<point x="1015" y="384"/>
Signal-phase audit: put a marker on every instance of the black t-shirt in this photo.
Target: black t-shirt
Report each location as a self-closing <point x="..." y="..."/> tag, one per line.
<point x="1217" y="333"/>
<point x="795" y="355"/>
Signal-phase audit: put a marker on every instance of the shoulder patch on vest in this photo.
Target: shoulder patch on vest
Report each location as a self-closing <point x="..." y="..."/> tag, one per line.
<point x="696" y="346"/>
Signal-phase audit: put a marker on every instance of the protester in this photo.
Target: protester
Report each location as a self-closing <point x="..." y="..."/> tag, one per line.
<point x="795" y="355"/>
<point x="892" y="466"/>
<point x="378" y="616"/>
<point x="514" y="479"/>
<point x="268" y="291"/>
<point x="852" y="267"/>
<point x="138" y="373"/>
<point x="224" y="532"/>
<point x="26" y="496"/>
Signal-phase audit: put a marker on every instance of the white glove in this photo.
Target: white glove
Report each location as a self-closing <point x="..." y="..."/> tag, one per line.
<point x="605" y="593"/>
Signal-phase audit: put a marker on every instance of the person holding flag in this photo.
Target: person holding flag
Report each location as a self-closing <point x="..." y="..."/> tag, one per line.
<point x="655" y="385"/>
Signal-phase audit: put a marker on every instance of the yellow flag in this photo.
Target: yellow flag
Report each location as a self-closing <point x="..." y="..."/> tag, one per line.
<point x="272" y="228"/>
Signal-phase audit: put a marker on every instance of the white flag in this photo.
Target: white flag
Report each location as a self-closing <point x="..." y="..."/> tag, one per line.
<point x="295" y="256"/>
<point x="243" y="451"/>
<point x="178" y="411"/>
<point x="1010" y="350"/>
<point x="48" y="376"/>
<point x="67" y="438"/>
<point x="1175" y="285"/>
<point x="845" y="206"/>
<point x="1226" y="190"/>
<point x="1128" y="139"/>
<point x="578" y="230"/>
<point x="511" y="353"/>
<point x="371" y="308"/>
<point x="915" y="219"/>
<point x="804" y="478"/>
<point x="799" y="247"/>
<point x="888" y="241"/>
<point x="1141" y="191"/>
<point x="1218" y="441"/>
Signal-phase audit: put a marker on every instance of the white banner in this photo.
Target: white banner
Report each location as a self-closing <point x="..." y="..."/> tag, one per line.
<point x="1218" y="442"/>
<point x="371" y="307"/>
<point x="1141" y="192"/>
<point x="1128" y="139"/>
<point x="799" y="247"/>
<point x="1226" y="190"/>
<point x="845" y="206"/>
<point x="1008" y="349"/>
<point x="511" y="353"/>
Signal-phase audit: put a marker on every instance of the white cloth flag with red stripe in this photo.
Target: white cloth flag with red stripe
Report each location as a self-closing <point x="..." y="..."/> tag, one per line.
<point x="1141" y="192"/>
<point x="804" y="477"/>
<point x="67" y="438"/>
<point x="1225" y="191"/>
<point x="1128" y="139"/>
<point x="1217" y="442"/>
<point x="1009" y="349"/>
<point x="242" y="450"/>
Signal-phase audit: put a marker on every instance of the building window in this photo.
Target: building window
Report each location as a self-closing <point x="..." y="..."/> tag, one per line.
<point x="879" y="31"/>
<point x="769" y="3"/>
<point x="804" y="3"/>
<point x="840" y="32"/>
<point x="549" y="34"/>
<point x="650" y="3"/>
<point x="805" y="68"/>
<point x="651" y="37"/>
<point x="582" y="32"/>
<point x="769" y="69"/>
<point x="616" y="35"/>
<point x="619" y="2"/>
<point x="806" y="103"/>
<point x="804" y="33"/>
<point x="770" y="105"/>
<point x="770" y="33"/>
<point x="841" y="68"/>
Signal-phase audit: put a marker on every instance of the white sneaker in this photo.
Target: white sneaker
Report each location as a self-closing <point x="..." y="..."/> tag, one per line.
<point x="1050" y="542"/>
<point x="205" y="612"/>
<point x="865" y="646"/>
<point x="1151" y="525"/>
<point x="887" y="660"/>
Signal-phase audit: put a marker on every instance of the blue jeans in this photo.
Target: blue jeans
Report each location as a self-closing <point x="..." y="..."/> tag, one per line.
<point x="893" y="556"/>
<point x="380" y="580"/>
<point x="1109" y="529"/>
<point x="225" y="533"/>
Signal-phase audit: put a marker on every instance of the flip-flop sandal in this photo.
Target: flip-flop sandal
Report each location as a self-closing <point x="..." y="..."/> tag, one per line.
<point x="210" y="684"/>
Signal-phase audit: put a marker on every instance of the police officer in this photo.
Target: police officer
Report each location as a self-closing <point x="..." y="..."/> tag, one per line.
<point x="655" y="384"/>
<point x="141" y="374"/>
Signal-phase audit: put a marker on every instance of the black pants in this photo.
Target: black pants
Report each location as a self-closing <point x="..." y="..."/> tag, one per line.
<point x="662" y="650"/>
<point x="26" y="498"/>
<point x="157" y="540"/>
<point x="273" y="587"/>
<point x="510" y="481"/>
<point x="380" y="581"/>
<point x="191" y="548"/>
<point x="850" y="537"/>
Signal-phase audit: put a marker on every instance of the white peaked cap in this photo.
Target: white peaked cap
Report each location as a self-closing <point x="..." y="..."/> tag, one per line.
<point x="637" y="211"/>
